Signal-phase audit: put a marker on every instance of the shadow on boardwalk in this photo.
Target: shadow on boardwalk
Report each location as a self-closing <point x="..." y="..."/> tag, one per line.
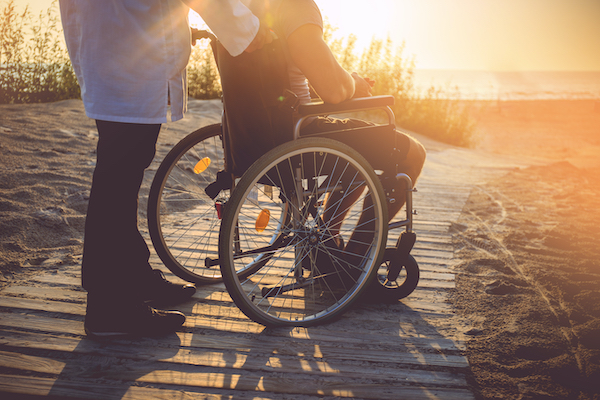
<point x="374" y="351"/>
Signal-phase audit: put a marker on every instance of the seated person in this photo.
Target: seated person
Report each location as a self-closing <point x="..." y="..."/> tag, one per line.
<point x="308" y="60"/>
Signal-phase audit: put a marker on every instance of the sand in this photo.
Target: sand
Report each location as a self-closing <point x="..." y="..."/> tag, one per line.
<point x="47" y="153"/>
<point x="47" y="158"/>
<point x="527" y="245"/>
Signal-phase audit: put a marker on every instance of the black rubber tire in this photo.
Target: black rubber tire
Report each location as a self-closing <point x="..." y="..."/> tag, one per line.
<point x="182" y="235"/>
<point x="324" y="296"/>
<point x="390" y="292"/>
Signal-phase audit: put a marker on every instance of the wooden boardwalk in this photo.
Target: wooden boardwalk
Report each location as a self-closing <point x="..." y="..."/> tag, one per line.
<point x="409" y="350"/>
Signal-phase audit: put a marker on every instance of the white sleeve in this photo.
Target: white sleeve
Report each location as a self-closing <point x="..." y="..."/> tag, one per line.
<point x="232" y="22"/>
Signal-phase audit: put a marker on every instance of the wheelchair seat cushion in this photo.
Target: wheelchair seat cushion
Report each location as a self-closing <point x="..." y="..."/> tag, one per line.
<point x="382" y="146"/>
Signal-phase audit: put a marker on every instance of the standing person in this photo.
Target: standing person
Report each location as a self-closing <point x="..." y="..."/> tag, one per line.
<point x="130" y="58"/>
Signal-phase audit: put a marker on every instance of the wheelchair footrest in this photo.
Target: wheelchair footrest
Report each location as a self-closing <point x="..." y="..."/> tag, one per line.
<point x="224" y="181"/>
<point x="405" y="244"/>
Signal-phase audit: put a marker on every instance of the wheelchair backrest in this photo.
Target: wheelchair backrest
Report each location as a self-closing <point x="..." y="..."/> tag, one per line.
<point x="257" y="115"/>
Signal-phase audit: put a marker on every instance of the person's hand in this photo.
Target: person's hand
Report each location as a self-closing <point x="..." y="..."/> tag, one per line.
<point x="362" y="86"/>
<point x="263" y="36"/>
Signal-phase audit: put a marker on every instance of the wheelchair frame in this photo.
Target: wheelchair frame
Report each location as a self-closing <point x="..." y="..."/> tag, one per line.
<point x="268" y="310"/>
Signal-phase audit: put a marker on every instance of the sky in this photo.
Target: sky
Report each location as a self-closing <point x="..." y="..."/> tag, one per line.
<point x="489" y="35"/>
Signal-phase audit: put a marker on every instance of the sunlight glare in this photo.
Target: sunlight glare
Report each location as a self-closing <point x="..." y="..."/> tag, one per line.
<point x="473" y="34"/>
<point x="196" y="21"/>
<point x="376" y="18"/>
<point x="348" y="17"/>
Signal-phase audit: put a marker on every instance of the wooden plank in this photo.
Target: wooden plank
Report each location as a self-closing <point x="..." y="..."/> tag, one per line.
<point x="57" y="280"/>
<point x="214" y="292"/>
<point x="430" y="208"/>
<point x="404" y="321"/>
<point x="440" y="237"/>
<point x="422" y="300"/>
<point x="407" y="311"/>
<point x="92" y="390"/>
<point x="425" y="257"/>
<point x="72" y="283"/>
<point x="433" y="242"/>
<point x="419" y="252"/>
<point x="370" y="386"/>
<point x="436" y="284"/>
<point x="30" y="363"/>
<point x="439" y="276"/>
<point x="66" y="347"/>
<point x="41" y="305"/>
<point x="417" y="350"/>
<point x="45" y="292"/>
<point x="433" y="263"/>
<point x="341" y="388"/>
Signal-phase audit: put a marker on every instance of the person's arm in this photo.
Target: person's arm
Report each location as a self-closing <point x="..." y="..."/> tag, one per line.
<point x="233" y="23"/>
<point x="313" y="57"/>
<point x="263" y="36"/>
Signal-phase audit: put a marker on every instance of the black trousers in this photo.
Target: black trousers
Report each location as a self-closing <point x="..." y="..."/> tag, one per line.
<point x="115" y="255"/>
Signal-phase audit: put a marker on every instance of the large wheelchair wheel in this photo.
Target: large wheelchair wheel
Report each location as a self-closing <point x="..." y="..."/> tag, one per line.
<point x="182" y="219"/>
<point x="300" y="203"/>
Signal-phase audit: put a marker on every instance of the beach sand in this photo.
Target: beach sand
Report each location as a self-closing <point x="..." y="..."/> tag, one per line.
<point x="47" y="158"/>
<point x="527" y="245"/>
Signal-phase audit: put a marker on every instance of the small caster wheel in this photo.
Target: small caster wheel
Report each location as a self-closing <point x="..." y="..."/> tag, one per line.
<point x="384" y="290"/>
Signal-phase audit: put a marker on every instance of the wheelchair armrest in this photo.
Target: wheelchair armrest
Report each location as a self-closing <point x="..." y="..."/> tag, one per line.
<point x="361" y="103"/>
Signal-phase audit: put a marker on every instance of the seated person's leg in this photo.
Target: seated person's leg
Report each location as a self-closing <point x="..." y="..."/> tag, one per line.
<point x="411" y="164"/>
<point x="336" y="207"/>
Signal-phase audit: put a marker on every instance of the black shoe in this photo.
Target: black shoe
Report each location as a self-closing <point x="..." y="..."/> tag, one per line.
<point x="331" y="262"/>
<point x="127" y="320"/>
<point x="160" y="292"/>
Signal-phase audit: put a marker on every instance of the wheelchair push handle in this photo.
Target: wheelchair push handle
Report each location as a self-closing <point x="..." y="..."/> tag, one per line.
<point x="198" y="34"/>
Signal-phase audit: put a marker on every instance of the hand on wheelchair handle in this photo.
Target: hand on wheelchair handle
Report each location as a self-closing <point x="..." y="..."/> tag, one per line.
<point x="198" y="34"/>
<point x="263" y="36"/>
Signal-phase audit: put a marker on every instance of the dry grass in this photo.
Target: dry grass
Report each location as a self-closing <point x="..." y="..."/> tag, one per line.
<point x="33" y="58"/>
<point x="35" y="68"/>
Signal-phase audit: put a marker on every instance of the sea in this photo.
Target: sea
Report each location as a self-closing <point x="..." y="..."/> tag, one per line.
<point x="510" y="85"/>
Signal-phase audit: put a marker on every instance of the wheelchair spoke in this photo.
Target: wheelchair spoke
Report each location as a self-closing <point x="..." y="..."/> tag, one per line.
<point x="182" y="219"/>
<point x="302" y="275"/>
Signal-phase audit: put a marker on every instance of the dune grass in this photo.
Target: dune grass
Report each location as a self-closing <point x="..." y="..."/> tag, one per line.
<point x="436" y="113"/>
<point x="34" y="63"/>
<point x="35" y="67"/>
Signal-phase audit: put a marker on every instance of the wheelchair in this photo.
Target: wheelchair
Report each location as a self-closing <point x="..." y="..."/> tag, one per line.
<point x="299" y="236"/>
